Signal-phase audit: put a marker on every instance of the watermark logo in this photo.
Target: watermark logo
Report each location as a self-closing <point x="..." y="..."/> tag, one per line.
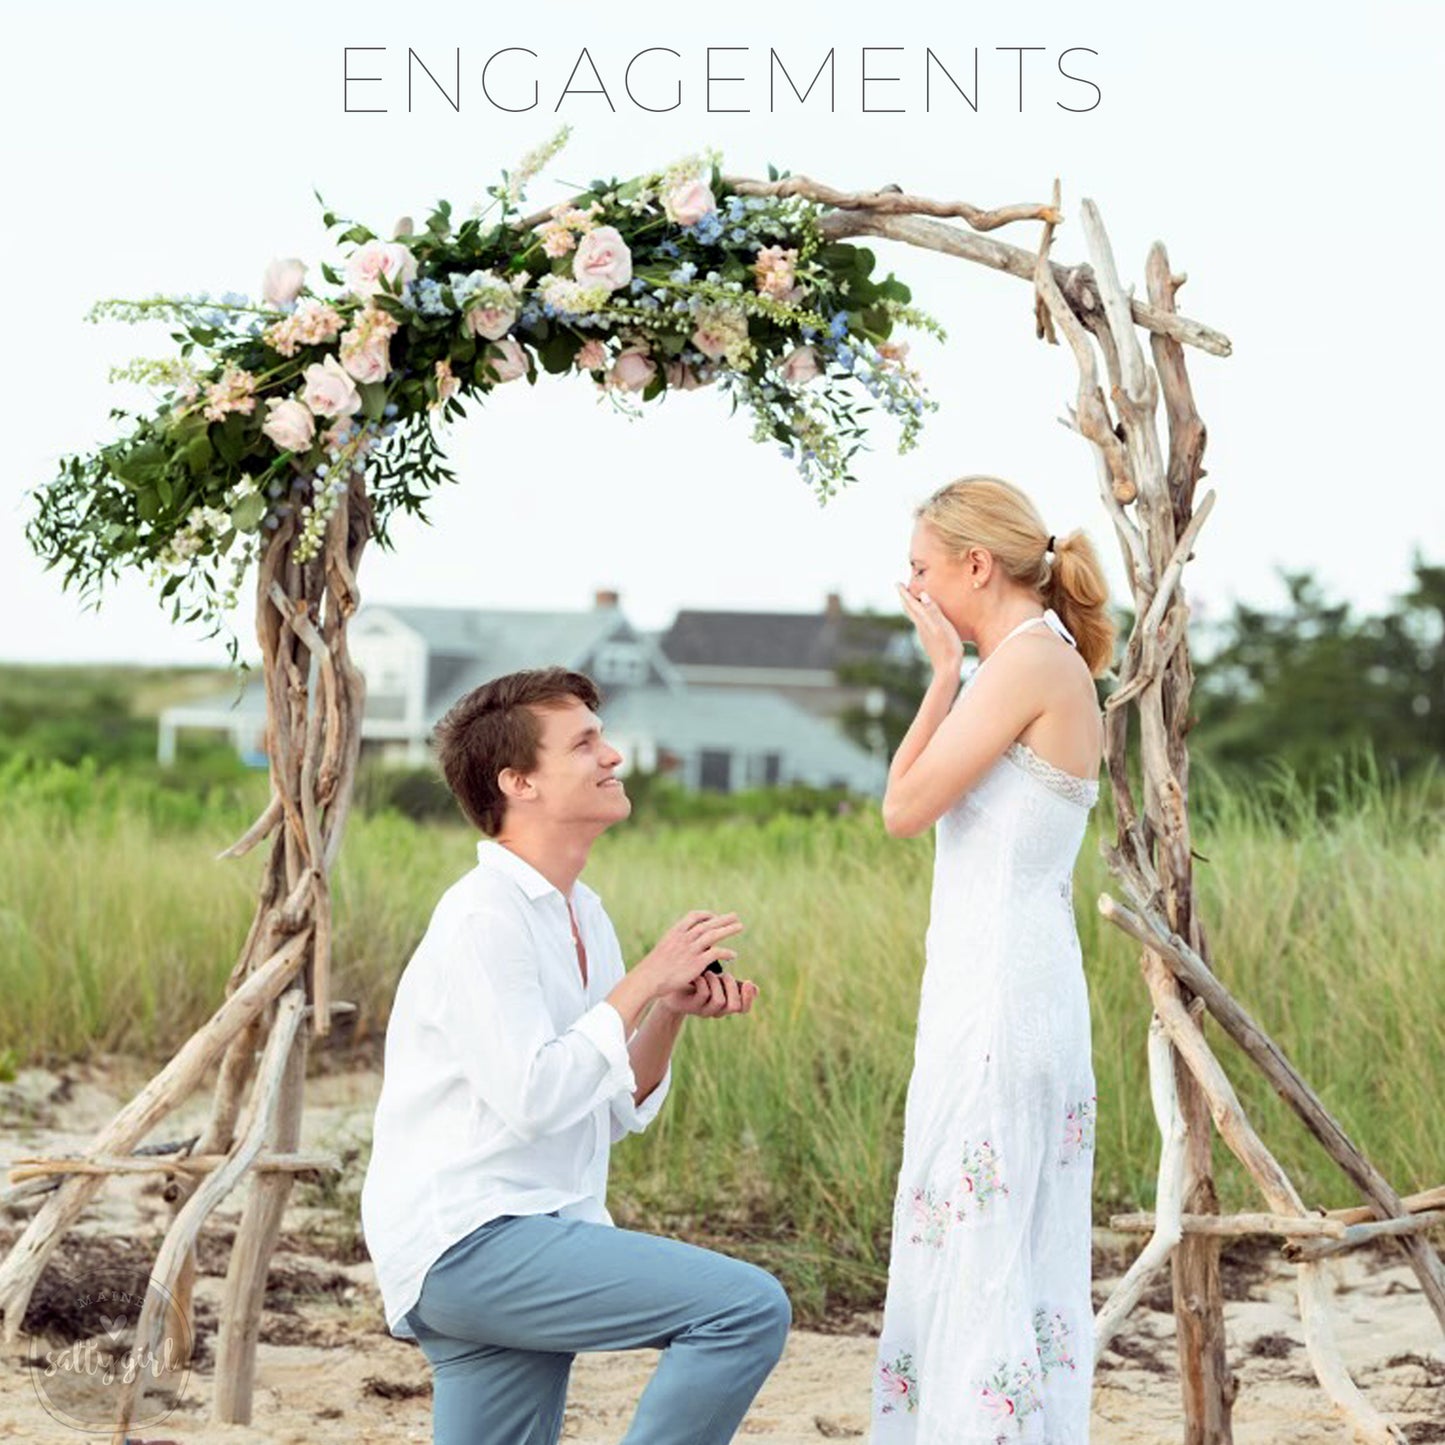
<point x="81" y="1380"/>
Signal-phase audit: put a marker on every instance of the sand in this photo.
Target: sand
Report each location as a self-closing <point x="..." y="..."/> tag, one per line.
<point x="327" y="1370"/>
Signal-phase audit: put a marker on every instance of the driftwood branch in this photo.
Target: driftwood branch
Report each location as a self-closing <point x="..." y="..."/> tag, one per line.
<point x="1236" y="1130"/>
<point x="1118" y="308"/>
<point x="1157" y="643"/>
<point x="255" y="1242"/>
<point x="1354" y="1235"/>
<point x="1092" y="415"/>
<point x="260" y="830"/>
<point x="169" y="1088"/>
<point x="217" y="1184"/>
<point x="1173" y="1134"/>
<point x="1426" y="1206"/>
<point x="1191" y="970"/>
<point x="34" y="1168"/>
<point x="1075" y="282"/>
<point x="895" y="203"/>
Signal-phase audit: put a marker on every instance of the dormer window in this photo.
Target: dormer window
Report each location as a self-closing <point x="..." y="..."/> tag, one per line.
<point x="621" y="663"/>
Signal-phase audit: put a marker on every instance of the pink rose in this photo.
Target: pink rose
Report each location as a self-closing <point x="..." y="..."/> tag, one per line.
<point x="376" y="260"/>
<point x="800" y="366"/>
<point x="289" y="424"/>
<point x="492" y="322"/>
<point x="591" y="355"/>
<point x="710" y="342"/>
<point x="689" y="202"/>
<point x="329" y="390"/>
<point x="632" y="371"/>
<point x="506" y="359"/>
<point x="448" y="384"/>
<point x="681" y="377"/>
<point x="283" y="281"/>
<point x="366" y="355"/>
<point x="603" y="259"/>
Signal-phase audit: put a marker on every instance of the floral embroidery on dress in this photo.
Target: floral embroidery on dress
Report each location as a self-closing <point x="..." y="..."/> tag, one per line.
<point x="1051" y="1337"/>
<point x="1011" y="1392"/>
<point x="982" y="1179"/>
<point x="898" y="1385"/>
<point x="930" y="1218"/>
<point x="1078" y="1137"/>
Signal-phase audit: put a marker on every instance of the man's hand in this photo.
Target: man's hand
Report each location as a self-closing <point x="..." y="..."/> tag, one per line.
<point x="674" y="972"/>
<point x="712" y="996"/>
<point x="686" y="949"/>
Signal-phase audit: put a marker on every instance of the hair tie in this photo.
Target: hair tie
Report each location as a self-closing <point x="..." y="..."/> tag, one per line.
<point x="1049" y="546"/>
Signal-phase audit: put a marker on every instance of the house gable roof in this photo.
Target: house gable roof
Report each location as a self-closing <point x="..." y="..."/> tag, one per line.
<point x="467" y="646"/>
<point x="785" y="640"/>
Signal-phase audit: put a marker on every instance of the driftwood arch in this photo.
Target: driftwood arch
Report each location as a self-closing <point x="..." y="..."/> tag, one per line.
<point x="1147" y="483"/>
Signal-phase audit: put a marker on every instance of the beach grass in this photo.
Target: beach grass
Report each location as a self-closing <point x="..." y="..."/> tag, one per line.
<point x="782" y="1136"/>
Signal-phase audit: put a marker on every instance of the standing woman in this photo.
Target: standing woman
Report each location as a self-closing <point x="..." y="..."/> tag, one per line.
<point x="988" y="1329"/>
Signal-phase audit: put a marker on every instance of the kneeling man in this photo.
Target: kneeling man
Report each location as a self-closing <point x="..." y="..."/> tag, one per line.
<point x="519" y="1048"/>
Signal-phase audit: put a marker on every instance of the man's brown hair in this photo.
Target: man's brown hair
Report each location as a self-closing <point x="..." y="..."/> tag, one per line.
<point x="495" y="727"/>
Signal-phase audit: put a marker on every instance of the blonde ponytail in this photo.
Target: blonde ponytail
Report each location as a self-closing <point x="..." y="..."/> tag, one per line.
<point x="1076" y="590"/>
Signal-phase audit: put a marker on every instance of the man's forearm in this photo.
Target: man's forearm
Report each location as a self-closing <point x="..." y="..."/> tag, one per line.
<point x="650" y="1048"/>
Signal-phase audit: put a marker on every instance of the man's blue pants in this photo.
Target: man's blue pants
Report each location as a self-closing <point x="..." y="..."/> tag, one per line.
<point x="504" y="1310"/>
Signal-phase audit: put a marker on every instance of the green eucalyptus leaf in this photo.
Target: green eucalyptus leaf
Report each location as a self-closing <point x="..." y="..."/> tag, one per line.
<point x="199" y="454"/>
<point x="247" y="513"/>
<point x="373" y="399"/>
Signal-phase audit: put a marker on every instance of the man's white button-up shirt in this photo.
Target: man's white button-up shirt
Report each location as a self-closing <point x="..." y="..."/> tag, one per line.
<point x="505" y="1082"/>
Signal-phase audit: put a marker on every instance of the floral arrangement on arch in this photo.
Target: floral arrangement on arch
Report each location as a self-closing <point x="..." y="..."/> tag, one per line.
<point x="665" y="283"/>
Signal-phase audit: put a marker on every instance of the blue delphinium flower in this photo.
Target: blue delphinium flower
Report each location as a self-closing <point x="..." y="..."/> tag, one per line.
<point x="425" y="296"/>
<point x="708" y="229"/>
<point x="838" y="327"/>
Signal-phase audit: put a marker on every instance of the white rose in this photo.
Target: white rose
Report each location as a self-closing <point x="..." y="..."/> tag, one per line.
<point x="329" y="391"/>
<point x="290" y="425"/>
<point x="375" y="260"/>
<point x="283" y="281"/>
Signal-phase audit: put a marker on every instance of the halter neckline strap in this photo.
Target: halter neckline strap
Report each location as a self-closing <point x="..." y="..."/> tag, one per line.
<point x="1049" y="617"/>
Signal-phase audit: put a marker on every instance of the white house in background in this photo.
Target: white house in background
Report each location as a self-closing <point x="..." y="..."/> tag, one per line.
<point x="417" y="661"/>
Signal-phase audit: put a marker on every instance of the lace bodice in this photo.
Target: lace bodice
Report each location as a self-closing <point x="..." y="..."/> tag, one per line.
<point x="1083" y="791"/>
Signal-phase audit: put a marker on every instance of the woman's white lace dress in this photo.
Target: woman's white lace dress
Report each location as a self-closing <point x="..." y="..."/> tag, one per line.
<point x="987" y="1331"/>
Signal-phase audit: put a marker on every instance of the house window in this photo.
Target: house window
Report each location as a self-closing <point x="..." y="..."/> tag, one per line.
<point x="772" y="769"/>
<point x="715" y="771"/>
<point x="620" y="663"/>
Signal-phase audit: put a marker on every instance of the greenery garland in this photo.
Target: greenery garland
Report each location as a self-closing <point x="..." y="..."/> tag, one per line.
<point x="665" y="282"/>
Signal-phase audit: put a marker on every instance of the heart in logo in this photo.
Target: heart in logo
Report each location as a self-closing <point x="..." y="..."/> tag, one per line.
<point x="114" y="1324"/>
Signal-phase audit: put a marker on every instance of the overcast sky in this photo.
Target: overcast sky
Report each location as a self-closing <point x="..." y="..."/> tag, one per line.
<point x="1291" y="168"/>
